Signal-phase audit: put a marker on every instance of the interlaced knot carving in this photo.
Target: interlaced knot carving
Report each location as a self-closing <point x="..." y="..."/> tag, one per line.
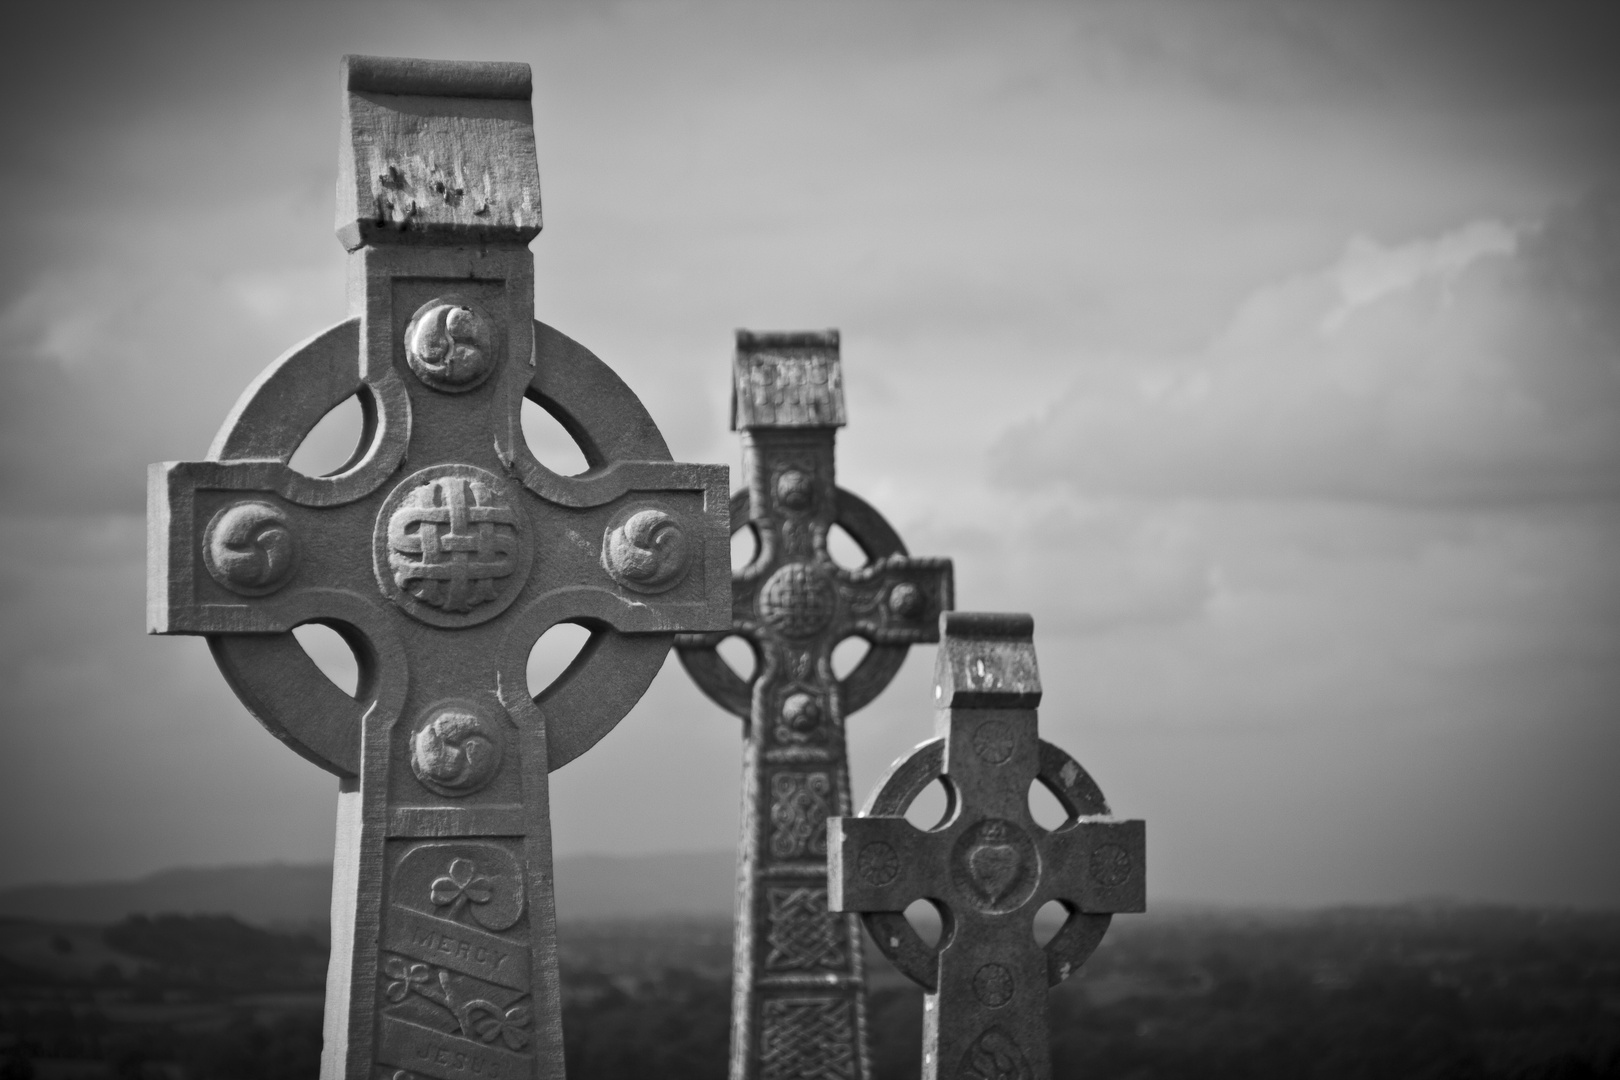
<point x="807" y="1039"/>
<point x="802" y="935"/>
<point x="448" y="544"/>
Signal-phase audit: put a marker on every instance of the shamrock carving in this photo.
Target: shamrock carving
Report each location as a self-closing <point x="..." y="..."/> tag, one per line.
<point x="407" y="977"/>
<point x="486" y="1020"/>
<point x="460" y="886"/>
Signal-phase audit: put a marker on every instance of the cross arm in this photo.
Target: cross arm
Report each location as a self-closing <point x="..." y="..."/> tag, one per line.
<point x="1098" y="861"/>
<point x="877" y="867"/>
<point x="1098" y="866"/>
<point x="230" y="550"/>
<point x="896" y="790"/>
<point x="1095" y="865"/>
<point x="879" y="864"/>
<point x="642" y="548"/>
<point x="897" y="600"/>
<point x="247" y="464"/>
<point x="660" y="574"/>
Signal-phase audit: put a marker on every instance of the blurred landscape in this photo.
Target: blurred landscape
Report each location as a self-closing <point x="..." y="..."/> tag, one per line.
<point x="1435" y="990"/>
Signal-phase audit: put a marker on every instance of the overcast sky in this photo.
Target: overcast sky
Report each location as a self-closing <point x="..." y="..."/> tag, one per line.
<point x="1268" y="353"/>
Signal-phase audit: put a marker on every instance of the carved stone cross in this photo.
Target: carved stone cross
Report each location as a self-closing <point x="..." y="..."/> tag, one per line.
<point x="441" y="552"/>
<point x="798" y="1006"/>
<point x="987" y="863"/>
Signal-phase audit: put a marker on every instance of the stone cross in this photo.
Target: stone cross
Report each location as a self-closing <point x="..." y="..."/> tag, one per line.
<point x="441" y="552"/>
<point x="798" y="1005"/>
<point x="988" y="864"/>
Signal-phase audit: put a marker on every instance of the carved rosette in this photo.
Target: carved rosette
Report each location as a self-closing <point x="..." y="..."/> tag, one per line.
<point x="452" y="546"/>
<point x="1111" y="865"/>
<point x="994" y="742"/>
<point x="878" y="864"/>
<point x="993" y="985"/>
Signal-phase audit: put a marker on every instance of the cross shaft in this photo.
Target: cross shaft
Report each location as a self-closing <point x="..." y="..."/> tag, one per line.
<point x="798" y="986"/>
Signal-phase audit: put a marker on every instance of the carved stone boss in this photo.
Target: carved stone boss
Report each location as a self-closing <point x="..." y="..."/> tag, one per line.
<point x="441" y="552"/>
<point x="798" y="1006"/>
<point x="988" y="864"/>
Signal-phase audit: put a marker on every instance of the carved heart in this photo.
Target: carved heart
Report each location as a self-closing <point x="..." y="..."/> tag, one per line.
<point x="995" y="868"/>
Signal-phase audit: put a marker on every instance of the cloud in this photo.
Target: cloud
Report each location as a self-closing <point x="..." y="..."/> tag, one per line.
<point x="1313" y="575"/>
<point x="1480" y="366"/>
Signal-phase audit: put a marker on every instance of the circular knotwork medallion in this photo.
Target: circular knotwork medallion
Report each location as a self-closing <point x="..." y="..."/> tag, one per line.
<point x="452" y="344"/>
<point x="451" y="545"/>
<point x="796" y="601"/>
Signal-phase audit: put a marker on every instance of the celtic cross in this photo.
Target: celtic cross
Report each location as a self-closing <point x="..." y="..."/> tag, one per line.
<point x="441" y="552"/>
<point x="798" y="1006"/>
<point x="988" y="863"/>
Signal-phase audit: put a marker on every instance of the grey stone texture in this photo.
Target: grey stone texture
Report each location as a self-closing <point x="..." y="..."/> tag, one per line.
<point x="987" y="865"/>
<point x="798" y="1008"/>
<point x="441" y="552"/>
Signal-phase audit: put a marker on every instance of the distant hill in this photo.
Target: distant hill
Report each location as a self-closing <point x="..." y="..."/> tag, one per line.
<point x="267" y="894"/>
<point x="640" y="886"/>
<point x="272" y="894"/>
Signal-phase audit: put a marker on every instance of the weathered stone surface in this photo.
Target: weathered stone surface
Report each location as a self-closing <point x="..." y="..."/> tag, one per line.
<point x="988" y="864"/>
<point x="798" y="993"/>
<point x="441" y="552"/>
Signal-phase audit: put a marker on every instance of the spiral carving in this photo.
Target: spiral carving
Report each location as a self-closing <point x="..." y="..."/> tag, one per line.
<point x="457" y="751"/>
<point x="451" y="346"/>
<point x="248" y="548"/>
<point x="647" y="552"/>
